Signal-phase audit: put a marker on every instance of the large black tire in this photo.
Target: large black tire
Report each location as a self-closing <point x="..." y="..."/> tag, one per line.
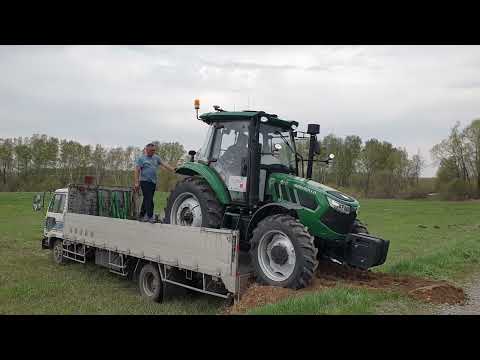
<point x="303" y="245"/>
<point x="359" y="228"/>
<point x="57" y="252"/>
<point x="212" y="210"/>
<point x="150" y="283"/>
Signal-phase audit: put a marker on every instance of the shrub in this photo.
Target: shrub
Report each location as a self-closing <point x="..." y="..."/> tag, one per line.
<point x="455" y="190"/>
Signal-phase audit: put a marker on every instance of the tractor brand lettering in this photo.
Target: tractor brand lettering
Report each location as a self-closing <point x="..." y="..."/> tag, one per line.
<point x="305" y="189"/>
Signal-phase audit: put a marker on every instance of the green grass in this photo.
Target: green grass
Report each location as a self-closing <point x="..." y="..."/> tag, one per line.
<point x="434" y="239"/>
<point x="30" y="283"/>
<point x="339" y="300"/>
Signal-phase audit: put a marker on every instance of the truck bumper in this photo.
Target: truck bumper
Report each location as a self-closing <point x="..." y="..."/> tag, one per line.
<point x="365" y="251"/>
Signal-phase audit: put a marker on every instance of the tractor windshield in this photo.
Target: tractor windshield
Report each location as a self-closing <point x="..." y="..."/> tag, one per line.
<point x="277" y="147"/>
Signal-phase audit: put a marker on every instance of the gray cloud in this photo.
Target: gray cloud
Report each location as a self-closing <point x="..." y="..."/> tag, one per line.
<point x="126" y="95"/>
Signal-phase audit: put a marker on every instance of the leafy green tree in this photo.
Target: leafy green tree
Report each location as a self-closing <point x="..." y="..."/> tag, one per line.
<point x="472" y="134"/>
<point x="371" y="158"/>
<point x="6" y="159"/>
<point x="23" y="155"/>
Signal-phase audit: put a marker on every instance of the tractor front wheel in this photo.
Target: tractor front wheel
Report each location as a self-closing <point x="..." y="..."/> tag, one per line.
<point x="283" y="253"/>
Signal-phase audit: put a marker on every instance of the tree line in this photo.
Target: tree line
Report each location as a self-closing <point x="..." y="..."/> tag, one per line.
<point x="458" y="156"/>
<point x="44" y="163"/>
<point x="40" y="162"/>
<point x="372" y="168"/>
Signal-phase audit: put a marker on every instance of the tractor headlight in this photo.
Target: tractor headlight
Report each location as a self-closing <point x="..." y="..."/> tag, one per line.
<point x="338" y="206"/>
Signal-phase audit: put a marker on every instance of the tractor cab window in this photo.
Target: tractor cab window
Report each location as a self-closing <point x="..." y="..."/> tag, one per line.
<point x="276" y="148"/>
<point x="230" y="155"/>
<point x="204" y="150"/>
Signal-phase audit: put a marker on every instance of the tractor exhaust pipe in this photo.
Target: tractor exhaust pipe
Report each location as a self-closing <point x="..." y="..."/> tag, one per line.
<point x="314" y="148"/>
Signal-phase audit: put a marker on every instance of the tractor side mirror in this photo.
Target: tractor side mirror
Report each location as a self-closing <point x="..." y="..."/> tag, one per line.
<point x="313" y="129"/>
<point x="192" y="155"/>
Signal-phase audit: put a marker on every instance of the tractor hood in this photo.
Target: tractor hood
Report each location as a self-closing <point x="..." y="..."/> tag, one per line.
<point x="305" y="188"/>
<point x="326" y="212"/>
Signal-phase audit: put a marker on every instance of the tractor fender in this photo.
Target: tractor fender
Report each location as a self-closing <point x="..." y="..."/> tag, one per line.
<point x="210" y="176"/>
<point x="271" y="209"/>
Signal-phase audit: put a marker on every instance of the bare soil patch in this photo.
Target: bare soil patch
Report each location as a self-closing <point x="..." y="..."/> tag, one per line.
<point x="330" y="274"/>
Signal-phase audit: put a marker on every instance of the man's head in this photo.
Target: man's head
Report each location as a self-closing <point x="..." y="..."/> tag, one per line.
<point x="150" y="149"/>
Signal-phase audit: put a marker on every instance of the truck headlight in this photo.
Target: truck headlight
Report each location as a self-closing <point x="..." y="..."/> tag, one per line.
<point x="345" y="209"/>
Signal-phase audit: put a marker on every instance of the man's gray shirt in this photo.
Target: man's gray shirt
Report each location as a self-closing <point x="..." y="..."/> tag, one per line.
<point x="148" y="167"/>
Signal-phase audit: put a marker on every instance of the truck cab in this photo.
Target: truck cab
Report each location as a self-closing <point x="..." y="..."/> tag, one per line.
<point x="54" y="217"/>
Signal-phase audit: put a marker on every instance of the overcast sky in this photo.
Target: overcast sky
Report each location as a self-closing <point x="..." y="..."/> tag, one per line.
<point x="129" y="95"/>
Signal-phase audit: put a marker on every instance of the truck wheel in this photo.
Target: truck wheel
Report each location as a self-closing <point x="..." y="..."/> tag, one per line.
<point x="193" y="203"/>
<point x="57" y="252"/>
<point x="359" y="228"/>
<point x="283" y="253"/>
<point x="150" y="283"/>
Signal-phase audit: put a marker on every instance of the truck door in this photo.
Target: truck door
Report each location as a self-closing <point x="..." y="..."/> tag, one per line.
<point x="55" y="213"/>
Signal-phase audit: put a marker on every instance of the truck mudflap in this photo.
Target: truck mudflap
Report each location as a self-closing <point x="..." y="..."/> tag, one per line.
<point x="365" y="251"/>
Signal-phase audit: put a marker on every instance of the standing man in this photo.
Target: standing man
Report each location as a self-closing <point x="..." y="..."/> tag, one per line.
<point x="146" y="178"/>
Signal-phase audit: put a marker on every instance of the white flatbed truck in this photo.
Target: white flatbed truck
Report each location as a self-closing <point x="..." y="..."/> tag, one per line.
<point x="200" y="259"/>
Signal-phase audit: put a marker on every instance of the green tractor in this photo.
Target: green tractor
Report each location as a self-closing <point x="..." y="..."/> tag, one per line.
<point x="249" y="176"/>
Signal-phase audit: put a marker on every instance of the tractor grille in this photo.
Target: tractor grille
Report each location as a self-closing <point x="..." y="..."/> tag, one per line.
<point x="277" y="190"/>
<point x="338" y="222"/>
<point x="284" y="192"/>
<point x="306" y="200"/>
<point x="293" y="199"/>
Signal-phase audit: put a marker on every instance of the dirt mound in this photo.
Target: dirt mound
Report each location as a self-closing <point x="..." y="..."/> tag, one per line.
<point x="331" y="274"/>
<point x="419" y="288"/>
<point x="439" y="294"/>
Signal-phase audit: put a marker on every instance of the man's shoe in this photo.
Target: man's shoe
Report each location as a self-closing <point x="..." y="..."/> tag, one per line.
<point x="144" y="219"/>
<point x="152" y="220"/>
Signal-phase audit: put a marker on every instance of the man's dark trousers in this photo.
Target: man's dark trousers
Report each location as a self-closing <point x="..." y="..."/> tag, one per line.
<point x="148" y="190"/>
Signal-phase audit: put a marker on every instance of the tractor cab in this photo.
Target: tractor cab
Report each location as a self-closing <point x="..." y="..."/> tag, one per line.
<point x="246" y="176"/>
<point x="245" y="147"/>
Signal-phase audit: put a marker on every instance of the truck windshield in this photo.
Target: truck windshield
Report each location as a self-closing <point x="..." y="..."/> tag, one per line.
<point x="277" y="147"/>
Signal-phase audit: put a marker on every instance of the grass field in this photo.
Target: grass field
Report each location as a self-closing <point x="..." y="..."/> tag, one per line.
<point x="428" y="238"/>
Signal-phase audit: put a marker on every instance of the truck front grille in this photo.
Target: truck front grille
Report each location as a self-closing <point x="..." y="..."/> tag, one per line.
<point x="338" y="222"/>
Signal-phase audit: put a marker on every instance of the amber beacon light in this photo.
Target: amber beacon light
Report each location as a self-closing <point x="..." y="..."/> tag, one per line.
<point x="196" y="103"/>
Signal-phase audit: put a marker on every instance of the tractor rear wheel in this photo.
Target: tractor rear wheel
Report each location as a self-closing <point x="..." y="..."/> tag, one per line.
<point x="193" y="203"/>
<point x="283" y="253"/>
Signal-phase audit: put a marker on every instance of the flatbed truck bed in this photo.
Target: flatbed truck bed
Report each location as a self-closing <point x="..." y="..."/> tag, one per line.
<point x="200" y="259"/>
